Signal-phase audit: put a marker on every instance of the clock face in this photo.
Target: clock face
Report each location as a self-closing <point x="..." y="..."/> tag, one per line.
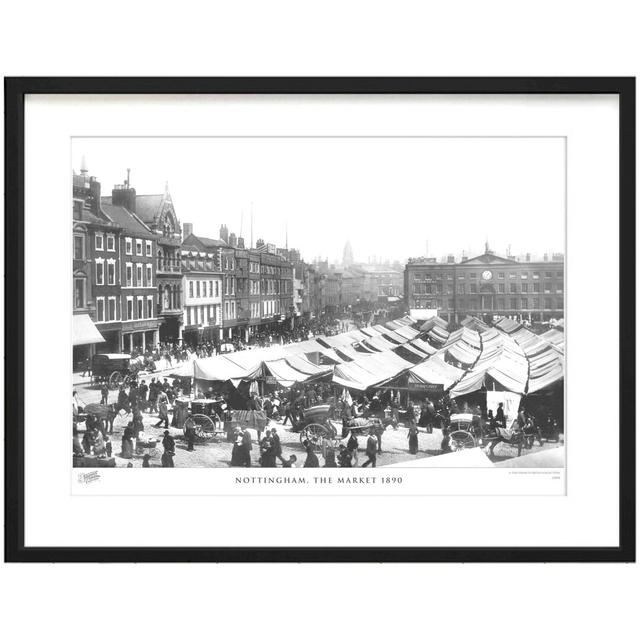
<point x="486" y="275"/>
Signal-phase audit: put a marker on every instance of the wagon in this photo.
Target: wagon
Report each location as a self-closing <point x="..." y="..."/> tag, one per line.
<point x="112" y="368"/>
<point x="316" y="428"/>
<point x="199" y="416"/>
<point x="463" y="431"/>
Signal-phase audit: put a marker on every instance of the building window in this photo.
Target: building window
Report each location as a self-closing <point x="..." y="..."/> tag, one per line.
<point x="525" y="287"/>
<point x="191" y="288"/>
<point x="80" y="293"/>
<point x="512" y="288"/>
<point x="559" y="274"/>
<point x="138" y="247"/>
<point x="139" y="282"/>
<point x="149" y="276"/>
<point x="501" y="304"/>
<point x="99" y="242"/>
<point x="99" y="271"/>
<point x="129" y="274"/>
<point x="129" y="307"/>
<point x="149" y="248"/>
<point x="140" y="305"/>
<point x="473" y="288"/>
<point x="149" y="306"/>
<point x="501" y="275"/>
<point x="112" y="309"/>
<point x="111" y="242"/>
<point x="524" y="303"/>
<point x="536" y="275"/>
<point x="100" y="309"/>
<point x="501" y="288"/>
<point x="211" y="288"/>
<point x="128" y="246"/>
<point x="514" y="303"/>
<point x="111" y="272"/>
<point x="512" y="275"/>
<point x="548" y="303"/>
<point x="560" y="303"/>
<point x="524" y="275"/>
<point x="473" y="274"/>
<point x="548" y="274"/>
<point x="198" y="289"/>
<point x="78" y="247"/>
<point x="536" y="287"/>
<point x="559" y="289"/>
<point x="547" y="287"/>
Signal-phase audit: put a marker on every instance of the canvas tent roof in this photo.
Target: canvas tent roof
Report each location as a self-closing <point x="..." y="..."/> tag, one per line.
<point x="370" y="370"/>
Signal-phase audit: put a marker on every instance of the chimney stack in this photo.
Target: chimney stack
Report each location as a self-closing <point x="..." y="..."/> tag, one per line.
<point x="233" y="241"/>
<point x="124" y="195"/>
<point x="240" y="242"/>
<point x="224" y="233"/>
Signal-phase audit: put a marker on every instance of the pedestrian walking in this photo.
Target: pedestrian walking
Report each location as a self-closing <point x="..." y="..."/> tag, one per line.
<point x="168" y="442"/>
<point x="371" y="450"/>
<point x="344" y="456"/>
<point x="163" y="409"/>
<point x="246" y="449"/>
<point x="352" y="447"/>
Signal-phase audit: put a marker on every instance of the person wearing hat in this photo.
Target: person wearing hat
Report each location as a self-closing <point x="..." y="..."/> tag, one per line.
<point x="168" y="443"/>
<point x="371" y="450"/>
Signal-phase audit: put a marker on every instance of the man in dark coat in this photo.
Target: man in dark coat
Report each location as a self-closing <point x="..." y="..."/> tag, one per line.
<point x="500" y="415"/>
<point x="277" y="445"/>
<point x="267" y="451"/>
<point x="168" y="443"/>
<point x="246" y="449"/>
<point x="371" y="450"/>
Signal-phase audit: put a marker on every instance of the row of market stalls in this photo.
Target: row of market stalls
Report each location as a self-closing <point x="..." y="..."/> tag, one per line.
<point x="506" y="360"/>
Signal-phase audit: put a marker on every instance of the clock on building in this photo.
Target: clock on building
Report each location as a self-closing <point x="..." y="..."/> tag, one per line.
<point x="486" y="275"/>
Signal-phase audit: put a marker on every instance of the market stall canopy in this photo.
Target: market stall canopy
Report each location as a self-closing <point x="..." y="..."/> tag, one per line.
<point x="435" y="371"/>
<point x="370" y="370"/>
<point x="221" y="368"/>
<point x="507" y="325"/>
<point x="435" y="321"/>
<point x="84" y="331"/>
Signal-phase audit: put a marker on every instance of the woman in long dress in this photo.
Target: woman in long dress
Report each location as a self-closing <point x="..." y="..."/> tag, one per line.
<point x="236" y="452"/>
<point x="413" y="439"/>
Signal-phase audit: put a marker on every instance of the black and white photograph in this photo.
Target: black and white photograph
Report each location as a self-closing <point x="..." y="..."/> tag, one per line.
<point x="318" y="301"/>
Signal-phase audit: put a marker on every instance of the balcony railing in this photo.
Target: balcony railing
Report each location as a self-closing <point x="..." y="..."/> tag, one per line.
<point x="168" y="266"/>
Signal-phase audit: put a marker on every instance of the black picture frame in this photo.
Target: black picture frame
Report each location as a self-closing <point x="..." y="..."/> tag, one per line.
<point x="15" y="91"/>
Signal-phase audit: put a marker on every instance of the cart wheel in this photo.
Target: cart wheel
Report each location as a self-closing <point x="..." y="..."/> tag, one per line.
<point x="115" y="379"/>
<point x="203" y="426"/>
<point x="315" y="434"/>
<point x="462" y="440"/>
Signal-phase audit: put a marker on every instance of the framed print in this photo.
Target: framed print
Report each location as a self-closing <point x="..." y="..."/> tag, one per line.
<point x="320" y="319"/>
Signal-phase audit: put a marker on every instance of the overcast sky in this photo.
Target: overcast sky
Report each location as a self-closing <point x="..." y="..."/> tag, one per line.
<point x="388" y="196"/>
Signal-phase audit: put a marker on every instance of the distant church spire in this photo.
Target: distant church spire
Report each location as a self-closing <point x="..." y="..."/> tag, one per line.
<point x="486" y="246"/>
<point x="347" y="255"/>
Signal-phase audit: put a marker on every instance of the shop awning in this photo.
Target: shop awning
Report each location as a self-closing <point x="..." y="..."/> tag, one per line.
<point x="84" y="331"/>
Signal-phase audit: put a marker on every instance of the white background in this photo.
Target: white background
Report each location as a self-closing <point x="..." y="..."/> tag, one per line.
<point x="400" y="38"/>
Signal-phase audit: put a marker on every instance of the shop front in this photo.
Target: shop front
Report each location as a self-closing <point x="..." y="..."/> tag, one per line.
<point x="86" y="338"/>
<point x="140" y="334"/>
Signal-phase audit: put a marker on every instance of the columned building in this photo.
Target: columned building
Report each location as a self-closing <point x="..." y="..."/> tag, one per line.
<point x="488" y="286"/>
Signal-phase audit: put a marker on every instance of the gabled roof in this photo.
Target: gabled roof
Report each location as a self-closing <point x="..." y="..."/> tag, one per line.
<point x="488" y="258"/>
<point x="202" y="243"/>
<point x="127" y="220"/>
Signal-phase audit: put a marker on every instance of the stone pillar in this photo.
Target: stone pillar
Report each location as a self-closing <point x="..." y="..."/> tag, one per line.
<point x="156" y="337"/>
<point x="144" y="339"/>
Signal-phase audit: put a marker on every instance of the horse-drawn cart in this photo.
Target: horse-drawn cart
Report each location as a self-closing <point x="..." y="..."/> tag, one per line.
<point x="113" y="368"/>
<point x="200" y="416"/>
